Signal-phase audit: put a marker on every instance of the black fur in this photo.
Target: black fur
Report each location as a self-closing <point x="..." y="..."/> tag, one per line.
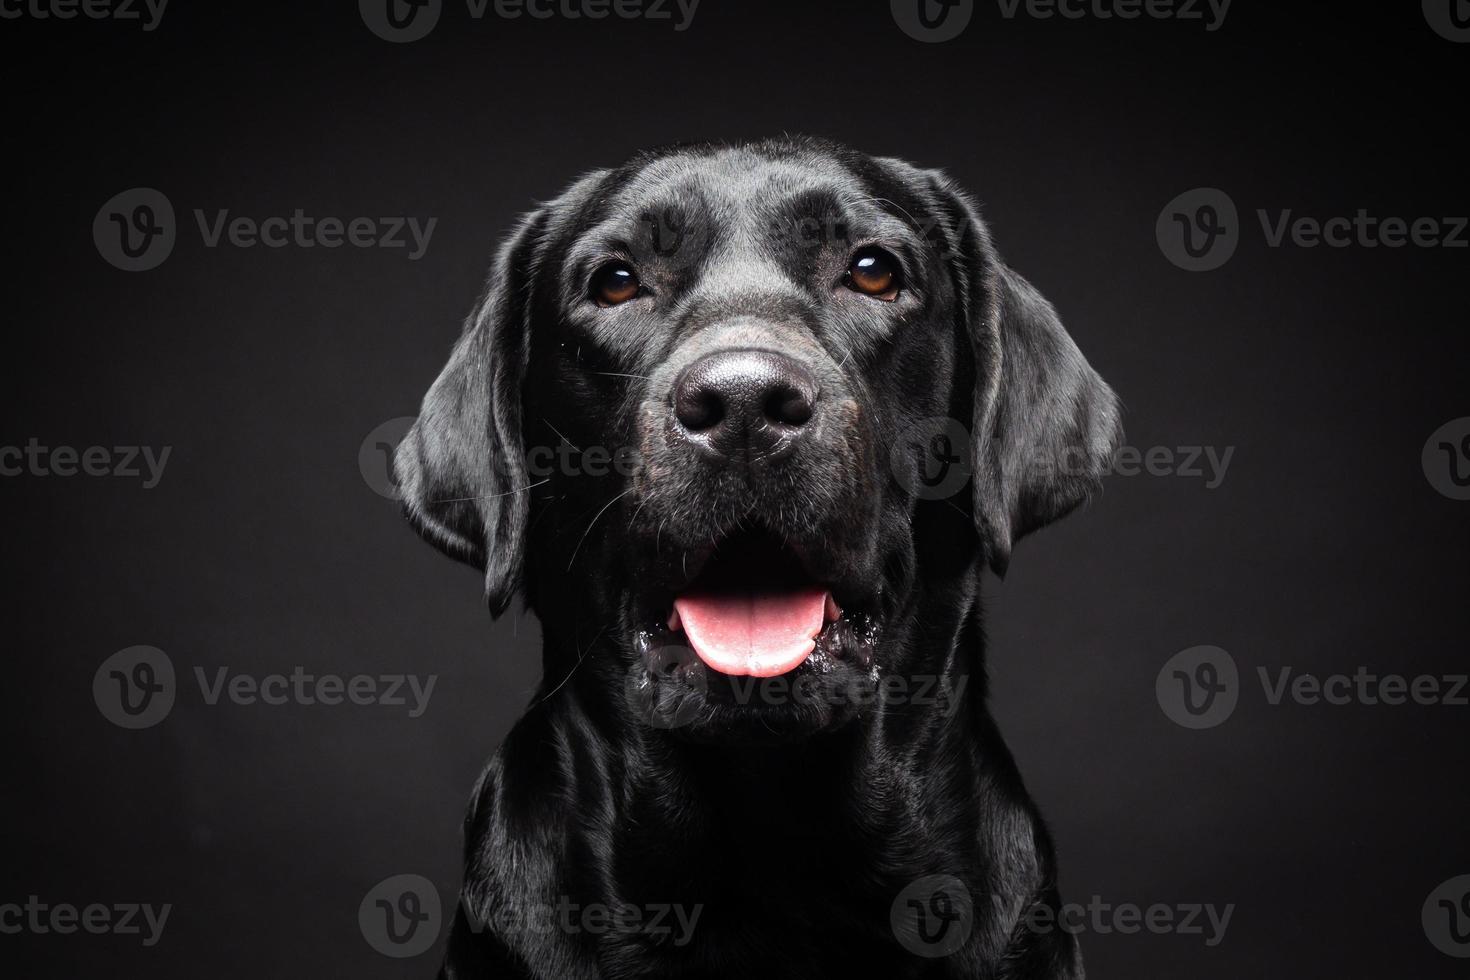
<point x="791" y="827"/>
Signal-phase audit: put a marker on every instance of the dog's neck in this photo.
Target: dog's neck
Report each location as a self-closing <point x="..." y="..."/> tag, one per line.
<point x="842" y="819"/>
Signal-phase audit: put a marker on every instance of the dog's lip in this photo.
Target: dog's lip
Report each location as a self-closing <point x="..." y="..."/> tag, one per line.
<point x="849" y="595"/>
<point x="831" y="613"/>
<point x="654" y="604"/>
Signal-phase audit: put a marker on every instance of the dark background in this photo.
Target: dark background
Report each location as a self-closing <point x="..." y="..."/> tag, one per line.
<point x="263" y="547"/>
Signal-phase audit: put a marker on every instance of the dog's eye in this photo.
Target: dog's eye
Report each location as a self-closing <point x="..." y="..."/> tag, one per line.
<point x="614" y="283"/>
<point x="873" y="272"/>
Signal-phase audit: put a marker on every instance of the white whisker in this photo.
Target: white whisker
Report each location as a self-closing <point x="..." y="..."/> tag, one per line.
<point x="490" y="496"/>
<point x="580" y="657"/>
<point x="558" y="432"/>
<point x="583" y="539"/>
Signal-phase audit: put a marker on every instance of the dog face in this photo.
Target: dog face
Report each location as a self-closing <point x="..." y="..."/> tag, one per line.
<point x="689" y="419"/>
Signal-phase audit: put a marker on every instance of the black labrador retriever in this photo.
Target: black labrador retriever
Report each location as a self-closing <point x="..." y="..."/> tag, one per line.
<point x="707" y="419"/>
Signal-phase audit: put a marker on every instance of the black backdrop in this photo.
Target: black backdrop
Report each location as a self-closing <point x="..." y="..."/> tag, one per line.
<point x="263" y="547"/>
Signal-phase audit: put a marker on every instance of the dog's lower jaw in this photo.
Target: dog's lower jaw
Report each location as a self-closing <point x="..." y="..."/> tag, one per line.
<point x="584" y="810"/>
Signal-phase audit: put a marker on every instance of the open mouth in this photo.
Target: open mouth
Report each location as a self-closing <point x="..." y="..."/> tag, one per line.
<point x="754" y="610"/>
<point x="757" y="640"/>
<point x="758" y="632"/>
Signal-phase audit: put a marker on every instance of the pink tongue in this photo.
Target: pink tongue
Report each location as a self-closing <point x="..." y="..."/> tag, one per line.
<point x="759" y="634"/>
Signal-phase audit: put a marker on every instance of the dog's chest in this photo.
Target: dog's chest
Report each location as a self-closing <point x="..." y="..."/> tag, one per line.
<point x="764" y="889"/>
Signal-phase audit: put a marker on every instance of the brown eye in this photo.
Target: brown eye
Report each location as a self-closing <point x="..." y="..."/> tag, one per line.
<point x="873" y="272"/>
<point x="613" y="284"/>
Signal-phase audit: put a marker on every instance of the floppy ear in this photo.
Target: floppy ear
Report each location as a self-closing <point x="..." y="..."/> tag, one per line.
<point x="1045" y="424"/>
<point x="461" y="470"/>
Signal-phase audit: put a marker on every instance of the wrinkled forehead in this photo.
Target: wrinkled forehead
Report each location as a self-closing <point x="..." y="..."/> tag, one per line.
<point x="737" y="198"/>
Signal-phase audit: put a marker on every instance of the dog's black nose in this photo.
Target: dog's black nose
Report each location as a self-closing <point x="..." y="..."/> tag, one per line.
<point x="744" y="403"/>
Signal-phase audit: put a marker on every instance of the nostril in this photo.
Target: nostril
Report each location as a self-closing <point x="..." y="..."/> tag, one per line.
<point x="788" y="405"/>
<point x="698" y="407"/>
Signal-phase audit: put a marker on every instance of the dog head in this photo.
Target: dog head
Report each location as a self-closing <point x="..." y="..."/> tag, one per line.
<point x="704" y="415"/>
